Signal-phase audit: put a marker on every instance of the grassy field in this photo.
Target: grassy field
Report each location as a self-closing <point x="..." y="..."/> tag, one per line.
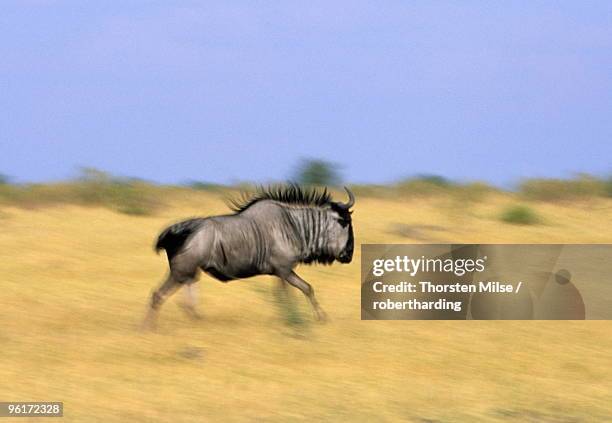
<point x="76" y="281"/>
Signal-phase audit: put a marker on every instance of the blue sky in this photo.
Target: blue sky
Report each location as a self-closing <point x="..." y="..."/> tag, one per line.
<point x="228" y="91"/>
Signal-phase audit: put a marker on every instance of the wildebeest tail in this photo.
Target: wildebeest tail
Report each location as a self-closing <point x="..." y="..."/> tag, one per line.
<point x="173" y="237"/>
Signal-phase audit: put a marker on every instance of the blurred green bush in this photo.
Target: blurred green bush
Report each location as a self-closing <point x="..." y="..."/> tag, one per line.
<point x="581" y="187"/>
<point x="137" y="197"/>
<point x="317" y="172"/>
<point x="520" y="215"/>
<point x="92" y="187"/>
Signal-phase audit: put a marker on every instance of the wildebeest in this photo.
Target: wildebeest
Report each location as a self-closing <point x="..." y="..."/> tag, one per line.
<point x="269" y="233"/>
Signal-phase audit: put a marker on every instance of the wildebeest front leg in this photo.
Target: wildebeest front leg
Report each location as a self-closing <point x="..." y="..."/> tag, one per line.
<point x="169" y="287"/>
<point x="282" y="287"/>
<point x="308" y="290"/>
<point x="283" y="292"/>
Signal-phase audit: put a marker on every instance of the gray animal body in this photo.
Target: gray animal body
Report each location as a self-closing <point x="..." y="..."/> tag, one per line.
<point x="268" y="234"/>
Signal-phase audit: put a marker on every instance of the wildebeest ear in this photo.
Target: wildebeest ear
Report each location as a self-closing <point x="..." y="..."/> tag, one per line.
<point x="351" y="201"/>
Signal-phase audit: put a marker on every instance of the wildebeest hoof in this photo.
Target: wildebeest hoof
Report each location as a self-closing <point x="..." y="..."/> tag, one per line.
<point x="190" y="311"/>
<point x="196" y="316"/>
<point x="148" y="327"/>
<point x="321" y="316"/>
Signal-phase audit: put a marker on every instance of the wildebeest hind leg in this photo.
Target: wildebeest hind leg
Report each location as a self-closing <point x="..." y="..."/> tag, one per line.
<point x="169" y="287"/>
<point x="308" y="290"/>
<point x="190" y="302"/>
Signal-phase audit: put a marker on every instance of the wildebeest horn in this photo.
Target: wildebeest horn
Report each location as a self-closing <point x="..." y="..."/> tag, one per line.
<point x="351" y="201"/>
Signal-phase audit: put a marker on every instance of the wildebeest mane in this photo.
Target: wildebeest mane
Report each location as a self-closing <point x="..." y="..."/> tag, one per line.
<point x="287" y="194"/>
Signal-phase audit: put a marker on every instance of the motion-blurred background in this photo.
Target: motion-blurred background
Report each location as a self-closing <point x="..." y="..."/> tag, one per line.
<point x="476" y="122"/>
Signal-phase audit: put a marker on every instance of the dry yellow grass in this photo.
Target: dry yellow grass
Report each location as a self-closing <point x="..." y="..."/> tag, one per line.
<point x="75" y="283"/>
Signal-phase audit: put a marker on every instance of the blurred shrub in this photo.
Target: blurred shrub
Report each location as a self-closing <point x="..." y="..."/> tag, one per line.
<point x="424" y="185"/>
<point x="6" y="190"/>
<point x="373" y="191"/>
<point x="430" y="185"/>
<point x="608" y="187"/>
<point x="474" y="191"/>
<point x="133" y="199"/>
<point x="317" y="172"/>
<point x="128" y="196"/>
<point x="7" y="193"/>
<point x="436" y="180"/>
<point x="520" y="215"/>
<point x="204" y="186"/>
<point x="584" y="186"/>
<point x="92" y="187"/>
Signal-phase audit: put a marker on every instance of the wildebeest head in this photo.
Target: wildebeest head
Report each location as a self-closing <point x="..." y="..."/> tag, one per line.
<point x="340" y="230"/>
